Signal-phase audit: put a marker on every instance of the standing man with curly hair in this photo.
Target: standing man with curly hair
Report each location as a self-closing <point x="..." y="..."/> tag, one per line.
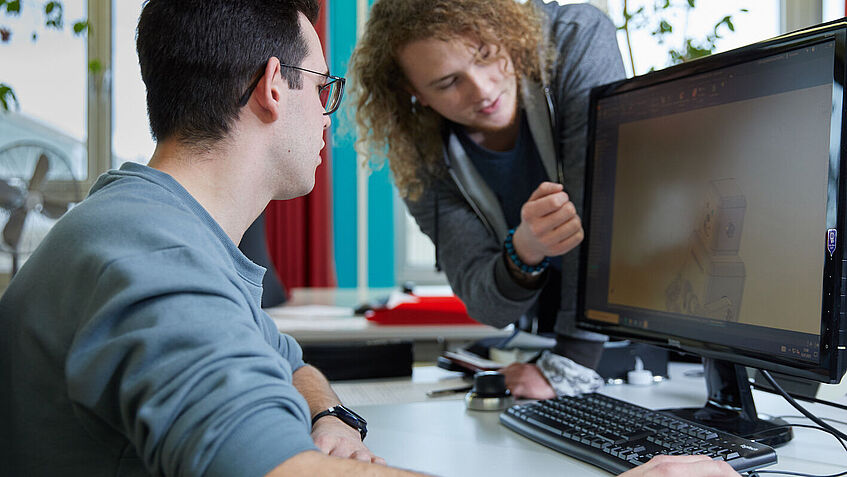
<point x="482" y="107"/>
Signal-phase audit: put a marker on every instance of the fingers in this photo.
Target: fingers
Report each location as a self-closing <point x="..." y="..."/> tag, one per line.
<point x="512" y="373"/>
<point x="543" y="206"/>
<point x="337" y="439"/>
<point x="363" y="455"/>
<point x="546" y="188"/>
<point x="348" y="449"/>
<point x="666" y="459"/>
<point x="549" y="225"/>
<point x="573" y="235"/>
<point x="688" y="465"/>
<point x="557" y="235"/>
<point x="545" y="214"/>
<point x="557" y="227"/>
<point x="526" y="380"/>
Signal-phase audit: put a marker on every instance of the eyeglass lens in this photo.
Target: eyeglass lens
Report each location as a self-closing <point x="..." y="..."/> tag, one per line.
<point x="329" y="96"/>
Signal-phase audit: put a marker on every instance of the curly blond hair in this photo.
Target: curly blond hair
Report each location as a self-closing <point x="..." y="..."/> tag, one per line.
<point x="388" y="121"/>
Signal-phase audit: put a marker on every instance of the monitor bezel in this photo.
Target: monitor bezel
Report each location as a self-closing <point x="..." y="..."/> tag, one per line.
<point x="831" y="365"/>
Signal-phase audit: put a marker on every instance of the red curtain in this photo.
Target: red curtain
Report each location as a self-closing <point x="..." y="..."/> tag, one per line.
<point x="299" y="231"/>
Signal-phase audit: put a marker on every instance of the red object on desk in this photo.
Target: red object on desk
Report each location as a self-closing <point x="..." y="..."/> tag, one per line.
<point x="428" y="310"/>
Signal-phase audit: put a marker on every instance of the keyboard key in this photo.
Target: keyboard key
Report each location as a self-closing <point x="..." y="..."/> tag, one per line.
<point x="544" y="425"/>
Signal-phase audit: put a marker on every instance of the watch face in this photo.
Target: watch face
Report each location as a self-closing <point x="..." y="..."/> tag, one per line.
<point x="351" y="414"/>
<point x="351" y="419"/>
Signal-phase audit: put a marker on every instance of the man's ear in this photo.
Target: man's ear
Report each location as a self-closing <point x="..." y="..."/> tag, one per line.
<point x="269" y="92"/>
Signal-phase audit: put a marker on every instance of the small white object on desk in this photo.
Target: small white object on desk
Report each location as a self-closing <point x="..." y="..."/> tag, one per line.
<point x="639" y="376"/>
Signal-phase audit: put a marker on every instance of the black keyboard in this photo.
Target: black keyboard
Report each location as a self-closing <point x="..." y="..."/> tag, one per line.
<point x="617" y="436"/>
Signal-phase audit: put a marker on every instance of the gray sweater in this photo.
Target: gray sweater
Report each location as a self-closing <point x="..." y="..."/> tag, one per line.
<point x="133" y="343"/>
<point x="471" y="226"/>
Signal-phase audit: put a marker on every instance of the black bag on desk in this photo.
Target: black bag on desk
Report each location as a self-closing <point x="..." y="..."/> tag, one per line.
<point x="361" y="360"/>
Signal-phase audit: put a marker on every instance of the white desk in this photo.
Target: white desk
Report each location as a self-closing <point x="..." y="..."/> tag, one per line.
<point x="445" y="439"/>
<point x="334" y="326"/>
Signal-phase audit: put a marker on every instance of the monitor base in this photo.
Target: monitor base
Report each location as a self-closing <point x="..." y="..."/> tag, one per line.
<point x="730" y="406"/>
<point x="770" y="432"/>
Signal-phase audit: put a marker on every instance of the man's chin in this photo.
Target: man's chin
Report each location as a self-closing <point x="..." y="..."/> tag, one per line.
<point x="495" y="126"/>
<point x="293" y="194"/>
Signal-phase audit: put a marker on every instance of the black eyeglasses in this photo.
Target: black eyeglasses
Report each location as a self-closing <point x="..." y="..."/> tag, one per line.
<point x="330" y="93"/>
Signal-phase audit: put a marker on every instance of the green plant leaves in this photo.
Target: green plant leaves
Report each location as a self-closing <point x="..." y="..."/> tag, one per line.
<point x="95" y="66"/>
<point x="13" y="7"/>
<point x="53" y="15"/>
<point x="659" y="21"/>
<point x="81" y="27"/>
<point x="7" y="97"/>
<point x="53" y="19"/>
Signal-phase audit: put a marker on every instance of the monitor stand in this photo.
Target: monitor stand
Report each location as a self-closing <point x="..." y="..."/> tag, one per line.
<point x="730" y="406"/>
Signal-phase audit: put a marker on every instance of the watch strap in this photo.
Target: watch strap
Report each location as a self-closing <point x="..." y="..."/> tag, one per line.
<point x="335" y="411"/>
<point x="325" y="412"/>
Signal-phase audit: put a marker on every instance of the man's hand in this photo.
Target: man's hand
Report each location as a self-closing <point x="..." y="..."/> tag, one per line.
<point x="687" y="465"/>
<point x="549" y="225"/>
<point x="335" y="438"/>
<point x="331" y="435"/>
<point x="526" y="381"/>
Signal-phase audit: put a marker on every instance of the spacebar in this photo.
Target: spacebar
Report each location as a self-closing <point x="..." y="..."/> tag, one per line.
<point x="549" y="426"/>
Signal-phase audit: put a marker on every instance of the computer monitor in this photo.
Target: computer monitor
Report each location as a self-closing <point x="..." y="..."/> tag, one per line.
<point x="715" y="216"/>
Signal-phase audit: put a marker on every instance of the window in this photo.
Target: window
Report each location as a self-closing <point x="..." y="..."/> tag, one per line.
<point x="415" y="252"/>
<point x="833" y="10"/>
<point x="131" y="139"/>
<point x="761" y="21"/>
<point x="48" y="75"/>
<point x="47" y="69"/>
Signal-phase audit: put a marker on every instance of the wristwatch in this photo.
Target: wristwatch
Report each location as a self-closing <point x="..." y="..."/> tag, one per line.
<point x="347" y="417"/>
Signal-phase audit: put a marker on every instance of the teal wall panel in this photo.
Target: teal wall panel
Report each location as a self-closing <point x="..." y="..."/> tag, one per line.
<point x="342" y="38"/>
<point x="380" y="229"/>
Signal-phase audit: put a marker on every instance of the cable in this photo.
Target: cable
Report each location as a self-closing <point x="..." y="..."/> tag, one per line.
<point x="786" y="472"/>
<point x="800" y="408"/>
<point x="802" y="398"/>
<point x="756" y="473"/>
<point x="840" y="436"/>
<point x="829" y="419"/>
<point x="805" y="426"/>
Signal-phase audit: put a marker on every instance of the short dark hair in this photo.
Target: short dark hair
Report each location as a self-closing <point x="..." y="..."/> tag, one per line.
<point x="198" y="56"/>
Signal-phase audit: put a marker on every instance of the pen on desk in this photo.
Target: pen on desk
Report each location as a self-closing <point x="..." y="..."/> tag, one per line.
<point x="444" y="392"/>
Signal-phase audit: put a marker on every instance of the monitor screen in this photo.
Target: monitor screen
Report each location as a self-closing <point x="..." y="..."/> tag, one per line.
<point x="714" y="207"/>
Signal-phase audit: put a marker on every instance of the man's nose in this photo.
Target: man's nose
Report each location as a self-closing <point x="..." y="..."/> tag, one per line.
<point x="483" y="84"/>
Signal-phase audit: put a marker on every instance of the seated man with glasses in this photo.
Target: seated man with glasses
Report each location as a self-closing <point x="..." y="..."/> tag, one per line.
<point x="132" y="342"/>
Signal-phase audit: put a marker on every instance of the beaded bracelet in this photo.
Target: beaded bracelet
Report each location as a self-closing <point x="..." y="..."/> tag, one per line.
<point x="531" y="270"/>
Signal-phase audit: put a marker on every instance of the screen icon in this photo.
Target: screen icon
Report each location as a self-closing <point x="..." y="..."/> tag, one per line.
<point x="831" y="236"/>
